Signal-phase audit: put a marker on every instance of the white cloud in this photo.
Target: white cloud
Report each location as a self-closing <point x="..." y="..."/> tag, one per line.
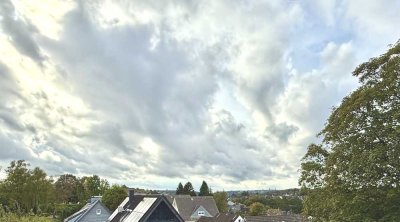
<point x="151" y="93"/>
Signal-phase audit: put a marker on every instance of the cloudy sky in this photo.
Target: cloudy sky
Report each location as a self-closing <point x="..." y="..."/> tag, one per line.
<point x="151" y="93"/>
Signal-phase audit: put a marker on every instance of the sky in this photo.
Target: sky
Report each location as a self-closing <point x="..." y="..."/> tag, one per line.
<point x="153" y="93"/>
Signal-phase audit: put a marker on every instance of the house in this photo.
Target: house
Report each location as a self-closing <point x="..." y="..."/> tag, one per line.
<point x="222" y="217"/>
<point x="235" y="207"/>
<point x="192" y="208"/>
<point x="93" y="211"/>
<point x="145" y="208"/>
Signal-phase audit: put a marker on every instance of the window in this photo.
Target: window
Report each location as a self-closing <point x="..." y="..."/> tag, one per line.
<point x="200" y="213"/>
<point x="98" y="211"/>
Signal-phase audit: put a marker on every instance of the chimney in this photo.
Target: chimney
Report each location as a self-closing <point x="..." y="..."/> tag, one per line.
<point x="131" y="193"/>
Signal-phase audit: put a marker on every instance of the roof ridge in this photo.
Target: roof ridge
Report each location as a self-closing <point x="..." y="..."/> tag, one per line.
<point x="78" y="213"/>
<point x="89" y="208"/>
<point x="83" y="211"/>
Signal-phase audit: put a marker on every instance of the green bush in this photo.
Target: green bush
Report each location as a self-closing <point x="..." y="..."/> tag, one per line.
<point x="12" y="217"/>
<point x="65" y="210"/>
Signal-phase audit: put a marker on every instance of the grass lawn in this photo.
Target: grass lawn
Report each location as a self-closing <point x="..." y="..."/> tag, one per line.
<point x="14" y="218"/>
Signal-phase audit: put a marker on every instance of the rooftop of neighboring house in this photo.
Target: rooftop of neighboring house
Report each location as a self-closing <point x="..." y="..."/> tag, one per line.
<point x="186" y="205"/>
<point x="222" y="217"/>
<point x="92" y="202"/>
<point x="139" y="207"/>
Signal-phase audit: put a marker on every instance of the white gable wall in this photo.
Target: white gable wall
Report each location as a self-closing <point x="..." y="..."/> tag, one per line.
<point x="202" y="210"/>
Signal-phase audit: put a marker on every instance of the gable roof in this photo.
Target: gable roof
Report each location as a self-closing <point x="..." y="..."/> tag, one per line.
<point x="140" y="208"/>
<point x="199" y="207"/>
<point x="186" y="205"/>
<point x="83" y="211"/>
<point x="121" y="205"/>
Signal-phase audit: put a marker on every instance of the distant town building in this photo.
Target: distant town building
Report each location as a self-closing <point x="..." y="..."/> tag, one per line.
<point x="235" y="207"/>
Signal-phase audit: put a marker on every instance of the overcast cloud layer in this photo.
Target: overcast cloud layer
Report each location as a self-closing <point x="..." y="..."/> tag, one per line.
<point x="151" y="93"/>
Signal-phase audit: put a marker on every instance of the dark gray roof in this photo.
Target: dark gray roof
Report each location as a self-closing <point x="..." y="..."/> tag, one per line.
<point x="186" y="205"/>
<point x="277" y="218"/>
<point x="222" y="217"/>
<point x="170" y="198"/>
<point x="140" y="208"/>
<point x="206" y="219"/>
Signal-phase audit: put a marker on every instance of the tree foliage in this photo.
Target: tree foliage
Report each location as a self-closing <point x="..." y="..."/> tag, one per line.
<point x="221" y="200"/>
<point x="188" y="189"/>
<point x="354" y="174"/>
<point x="256" y="209"/>
<point x="114" y="196"/>
<point x="291" y="204"/>
<point x="204" y="190"/>
<point x="26" y="190"/>
<point x="92" y="185"/>
<point x="104" y="186"/>
<point x="179" y="189"/>
<point x="63" y="210"/>
<point x="69" y="189"/>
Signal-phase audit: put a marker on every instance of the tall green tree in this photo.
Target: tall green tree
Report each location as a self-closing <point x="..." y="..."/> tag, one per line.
<point x="221" y="199"/>
<point x="179" y="189"/>
<point x="104" y="186"/>
<point x="92" y="185"/>
<point x="188" y="189"/>
<point x="26" y="190"/>
<point x="41" y="190"/>
<point x="69" y="189"/>
<point x="204" y="190"/>
<point x="354" y="174"/>
<point x="114" y="196"/>
<point x="15" y="186"/>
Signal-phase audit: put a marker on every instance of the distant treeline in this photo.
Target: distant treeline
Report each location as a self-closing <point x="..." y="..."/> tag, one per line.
<point x="189" y="190"/>
<point x="292" y="204"/>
